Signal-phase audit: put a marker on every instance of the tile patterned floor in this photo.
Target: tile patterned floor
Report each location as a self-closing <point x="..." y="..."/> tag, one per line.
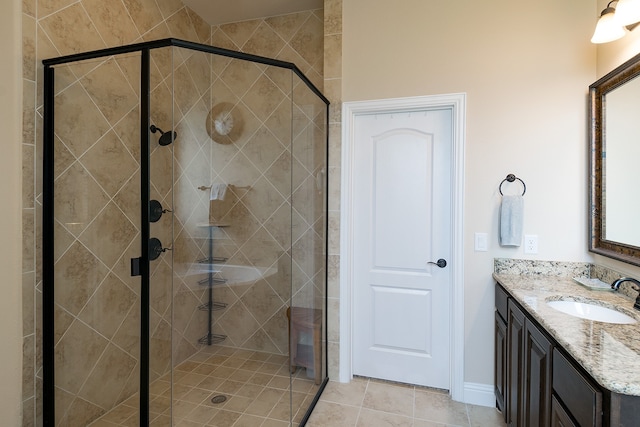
<point x="372" y="403"/>
<point x="256" y="386"/>
<point x="257" y="389"/>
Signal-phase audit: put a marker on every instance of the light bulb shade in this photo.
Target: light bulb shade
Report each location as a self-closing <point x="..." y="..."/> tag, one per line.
<point x="627" y="12"/>
<point x="608" y="28"/>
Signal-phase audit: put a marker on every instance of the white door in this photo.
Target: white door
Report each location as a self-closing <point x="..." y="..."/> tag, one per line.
<point x="402" y="222"/>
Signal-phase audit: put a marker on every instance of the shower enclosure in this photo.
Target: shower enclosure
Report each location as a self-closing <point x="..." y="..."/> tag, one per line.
<point x="184" y="238"/>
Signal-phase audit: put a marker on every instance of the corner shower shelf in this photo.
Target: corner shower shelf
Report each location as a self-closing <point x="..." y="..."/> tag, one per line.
<point x="210" y="306"/>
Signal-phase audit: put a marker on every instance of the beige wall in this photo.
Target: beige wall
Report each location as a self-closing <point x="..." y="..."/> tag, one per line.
<point x="525" y="67"/>
<point x="10" y="215"/>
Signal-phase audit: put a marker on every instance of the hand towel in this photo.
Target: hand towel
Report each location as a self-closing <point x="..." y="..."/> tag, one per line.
<point x="218" y="191"/>
<point x="511" y="214"/>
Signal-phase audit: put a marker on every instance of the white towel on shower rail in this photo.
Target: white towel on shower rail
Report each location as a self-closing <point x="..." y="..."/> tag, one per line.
<point x="511" y="216"/>
<point x="218" y="191"/>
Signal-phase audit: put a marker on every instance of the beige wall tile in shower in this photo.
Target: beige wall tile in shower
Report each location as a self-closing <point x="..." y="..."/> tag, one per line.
<point x="161" y="163"/>
<point x="112" y="21"/>
<point x="261" y="301"/>
<point x="201" y="27"/>
<point x="109" y="90"/>
<point x="261" y="249"/>
<point x="180" y="25"/>
<point x="128" y="130"/>
<point x="240" y="172"/>
<point x="279" y="225"/>
<point x="108" y="306"/>
<point x="160" y="293"/>
<point x="28" y="47"/>
<point x="185" y="92"/>
<point x="308" y="40"/>
<point x="104" y="385"/>
<point x="199" y="66"/>
<point x="332" y="16"/>
<point x="287" y="25"/>
<point x="128" y="335"/>
<point x="109" y="163"/>
<point x="263" y="97"/>
<point x="81" y="273"/>
<point x="185" y="304"/>
<point x="333" y="56"/>
<point x="237" y="323"/>
<point x="76" y="355"/>
<point x="71" y="30"/>
<point x="81" y="413"/>
<point x="28" y="196"/>
<point x="74" y="109"/>
<point x="161" y="115"/>
<point x="145" y="14"/>
<point x="240" y="75"/>
<point x="169" y="7"/>
<point x="47" y="7"/>
<point x="239" y="32"/>
<point x="109" y="235"/>
<point x="130" y="65"/>
<point x="28" y="239"/>
<point x="160" y="348"/>
<point x="29" y="7"/>
<point x="28" y="366"/>
<point x="261" y="341"/>
<point x="28" y="114"/>
<point x="264" y="41"/>
<point x="28" y="304"/>
<point x="263" y="199"/>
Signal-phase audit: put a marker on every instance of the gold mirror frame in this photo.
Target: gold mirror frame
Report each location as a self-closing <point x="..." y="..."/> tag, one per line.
<point x="597" y="91"/>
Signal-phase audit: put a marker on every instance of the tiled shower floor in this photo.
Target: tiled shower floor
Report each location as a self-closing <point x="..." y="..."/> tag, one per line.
<point x="255" y="384"/>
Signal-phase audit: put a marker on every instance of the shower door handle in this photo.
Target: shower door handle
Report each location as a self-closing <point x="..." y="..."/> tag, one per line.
<point x="442" y="263"/>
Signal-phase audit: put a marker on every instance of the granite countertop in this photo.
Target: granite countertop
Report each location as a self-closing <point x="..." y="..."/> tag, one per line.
<point x="610" y="353"/>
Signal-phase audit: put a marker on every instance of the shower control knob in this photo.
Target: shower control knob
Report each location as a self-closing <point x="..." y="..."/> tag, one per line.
<point x="155" y="248"/>
<point x="442" y="263"/>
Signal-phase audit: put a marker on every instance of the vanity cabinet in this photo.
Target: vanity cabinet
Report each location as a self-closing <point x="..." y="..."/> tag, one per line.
<point x="543" y="387"/>
<point x="559" y="417"/>
<point x="529" y="371"/>
<point x="500" y="351"/>
<point x="575" y="395"/>
<point x="539" y="381"/>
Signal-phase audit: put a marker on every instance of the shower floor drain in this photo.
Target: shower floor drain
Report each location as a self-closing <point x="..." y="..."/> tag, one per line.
<point x="218" y="399"/>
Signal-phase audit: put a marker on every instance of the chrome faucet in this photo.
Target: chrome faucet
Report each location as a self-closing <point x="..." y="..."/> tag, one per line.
<point x="616" y="285"/>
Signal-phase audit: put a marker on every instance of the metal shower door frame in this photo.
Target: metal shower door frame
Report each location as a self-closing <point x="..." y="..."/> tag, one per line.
<point x="140" y="266"/>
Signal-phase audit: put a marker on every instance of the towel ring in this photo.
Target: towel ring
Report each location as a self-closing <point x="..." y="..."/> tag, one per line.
<point x="510" y="178"/>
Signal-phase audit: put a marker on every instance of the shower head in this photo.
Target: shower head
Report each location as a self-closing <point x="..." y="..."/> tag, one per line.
<point x="166" y="138"/>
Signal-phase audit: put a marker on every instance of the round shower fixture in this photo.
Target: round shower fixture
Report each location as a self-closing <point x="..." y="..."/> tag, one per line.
<point x="166" y="138"/>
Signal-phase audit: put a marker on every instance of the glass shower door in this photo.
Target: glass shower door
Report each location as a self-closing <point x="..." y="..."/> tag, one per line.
<point x="96" y="230"/>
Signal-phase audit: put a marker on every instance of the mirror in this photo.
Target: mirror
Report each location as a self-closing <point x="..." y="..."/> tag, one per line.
<point x="614" y="160"/>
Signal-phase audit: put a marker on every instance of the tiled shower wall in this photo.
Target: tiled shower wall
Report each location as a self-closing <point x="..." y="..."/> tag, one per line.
<point x="54" y="28"/>
<point x="333" y="91"/>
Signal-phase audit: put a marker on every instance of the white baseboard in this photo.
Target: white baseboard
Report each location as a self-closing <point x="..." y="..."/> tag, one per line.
<point x="479" y="394"/>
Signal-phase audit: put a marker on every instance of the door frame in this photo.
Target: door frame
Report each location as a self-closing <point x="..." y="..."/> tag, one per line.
<point x="456" y="102"/>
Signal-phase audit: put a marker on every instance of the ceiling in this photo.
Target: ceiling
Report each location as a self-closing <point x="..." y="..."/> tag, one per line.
<point x="224" y="11"/>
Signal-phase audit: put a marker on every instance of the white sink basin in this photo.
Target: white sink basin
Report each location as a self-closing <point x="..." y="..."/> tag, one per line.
<point x="591" y="311"/>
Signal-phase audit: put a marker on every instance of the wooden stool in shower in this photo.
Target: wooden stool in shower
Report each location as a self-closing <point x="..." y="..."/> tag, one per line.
<point x="307" y="320"/>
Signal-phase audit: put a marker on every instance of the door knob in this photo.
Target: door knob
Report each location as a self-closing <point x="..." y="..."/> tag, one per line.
<point x="442" y="263"/>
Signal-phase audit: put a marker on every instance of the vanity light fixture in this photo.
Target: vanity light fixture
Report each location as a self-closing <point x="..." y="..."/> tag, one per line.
<point x="615" y="22"/>
<point x="628" y="12"/>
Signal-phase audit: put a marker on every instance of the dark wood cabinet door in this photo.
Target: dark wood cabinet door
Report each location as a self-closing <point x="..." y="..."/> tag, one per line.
<point x="537" y="377"/>
<point x="515" y="359"/>
<point x="500" y="368"/>
<point x="559" y="416"/>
